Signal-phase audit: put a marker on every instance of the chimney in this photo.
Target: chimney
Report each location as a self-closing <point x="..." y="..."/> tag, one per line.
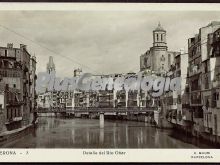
<point x="10" y="45"/>
<point x="181" y="50"/>
<point x="22" y="46"/>
<point x="34" y="58"/>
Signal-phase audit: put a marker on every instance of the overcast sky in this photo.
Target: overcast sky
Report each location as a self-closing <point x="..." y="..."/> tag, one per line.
<point x="103" y="41"/>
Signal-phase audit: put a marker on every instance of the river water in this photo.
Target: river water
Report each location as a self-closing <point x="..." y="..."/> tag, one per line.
<point x="55" y="132"/>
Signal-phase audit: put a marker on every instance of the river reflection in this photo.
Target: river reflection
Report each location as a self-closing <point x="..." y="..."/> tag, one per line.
<point x="86" y="133"/>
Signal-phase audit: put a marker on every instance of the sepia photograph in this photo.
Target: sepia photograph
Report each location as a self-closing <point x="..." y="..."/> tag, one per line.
<point x="110" y="79"/>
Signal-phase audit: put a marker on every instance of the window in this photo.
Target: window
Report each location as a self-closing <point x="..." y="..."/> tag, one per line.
<point x="145" y="61"/>
<point x="157" y="37"/>
<point x="161" y="37"/>
<point x="162" y="58"/>
<point x="169" y="59"/>
<point x="12" y="113"/>
<point x="217" y="96"/>
<point x="207" y="103"/>
<point x="179" y="99"/>
<point x="11" y="116"/>
<point x="174" y="101"/>
<point x="206" y="66"/>
<point x="6" y="53"/>
<point x="14" y="85"/>
<point x="7" y="113"/>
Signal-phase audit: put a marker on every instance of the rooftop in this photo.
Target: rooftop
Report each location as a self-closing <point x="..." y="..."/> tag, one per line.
<point x="159" y="28"/>
<point x="214" y="23"/>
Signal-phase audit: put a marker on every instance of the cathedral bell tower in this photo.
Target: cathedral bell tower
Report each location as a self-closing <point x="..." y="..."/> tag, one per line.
<point x="50" y="65"/>
<point x="159" y="37"/>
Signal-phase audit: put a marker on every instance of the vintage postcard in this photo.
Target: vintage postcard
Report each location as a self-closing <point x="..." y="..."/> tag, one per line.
<point x="109" y="82"/>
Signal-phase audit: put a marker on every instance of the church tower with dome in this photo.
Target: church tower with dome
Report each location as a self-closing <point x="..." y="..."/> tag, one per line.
<point x="158" y="59"/>
<point x="159" y="37"/>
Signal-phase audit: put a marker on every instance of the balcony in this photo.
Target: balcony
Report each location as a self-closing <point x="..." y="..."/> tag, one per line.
<point x="172" y="107"/>
<point x="199" y="126"/>
<point x="25" y="81"/>
<point x="206" y="85"/>
<point x="196" y="102"/>
<point x="14" y="103"/>
<point x="194" y="70"/>
<point x="186" y="106"/>
<point x="10" y="72"/>
<point x="198" y="113"/>
<point x="216" y="83"/>
<point x="194" y="52"/>
<point x="215" y="104"/>
<point x="14" y="119"/>
<point x="195" y="99"/>
<point x="30" y="82"/>
<point x="187" y="115"/>
<point x="216" y="46"/>
<point x="174" y="121"/>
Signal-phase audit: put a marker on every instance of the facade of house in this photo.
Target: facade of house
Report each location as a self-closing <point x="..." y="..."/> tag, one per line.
<point x="197" y="110"/>
<point x="200" y="77"/>
<point x="175" y="102"/>
<point x="17" y="71"/>
<point x="2" y="106"/>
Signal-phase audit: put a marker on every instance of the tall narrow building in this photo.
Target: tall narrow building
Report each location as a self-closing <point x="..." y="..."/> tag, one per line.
<point x="50" y="65"/>
<point x="158" y="58"/>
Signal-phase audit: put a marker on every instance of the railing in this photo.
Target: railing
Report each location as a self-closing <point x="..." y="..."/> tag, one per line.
<point x="13" y="119"/>
<point x="14" y="103"/>
<point x="94" y="109"/>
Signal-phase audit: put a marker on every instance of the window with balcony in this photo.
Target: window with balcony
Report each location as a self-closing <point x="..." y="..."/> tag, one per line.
<point x="195" y="85"/>
<point x="196" y="98"/>
<point x="179" y="100"/>
<point x="174" y="101"/>
<point x="206" y="102"/>
<point x="193" y="53"/>
<point x="198" y="113"/>
<point x="217" y="51"/>
<point x="177" y="65"/>
<point x="206" y="80"/>
<point x="169" y="100"/>
<point x="215" y="98"/>
<point x="206" y="66"/>
<point x="8" y="113"/>
<point x="178" y="73"/>
<point x="1" y="108"/>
